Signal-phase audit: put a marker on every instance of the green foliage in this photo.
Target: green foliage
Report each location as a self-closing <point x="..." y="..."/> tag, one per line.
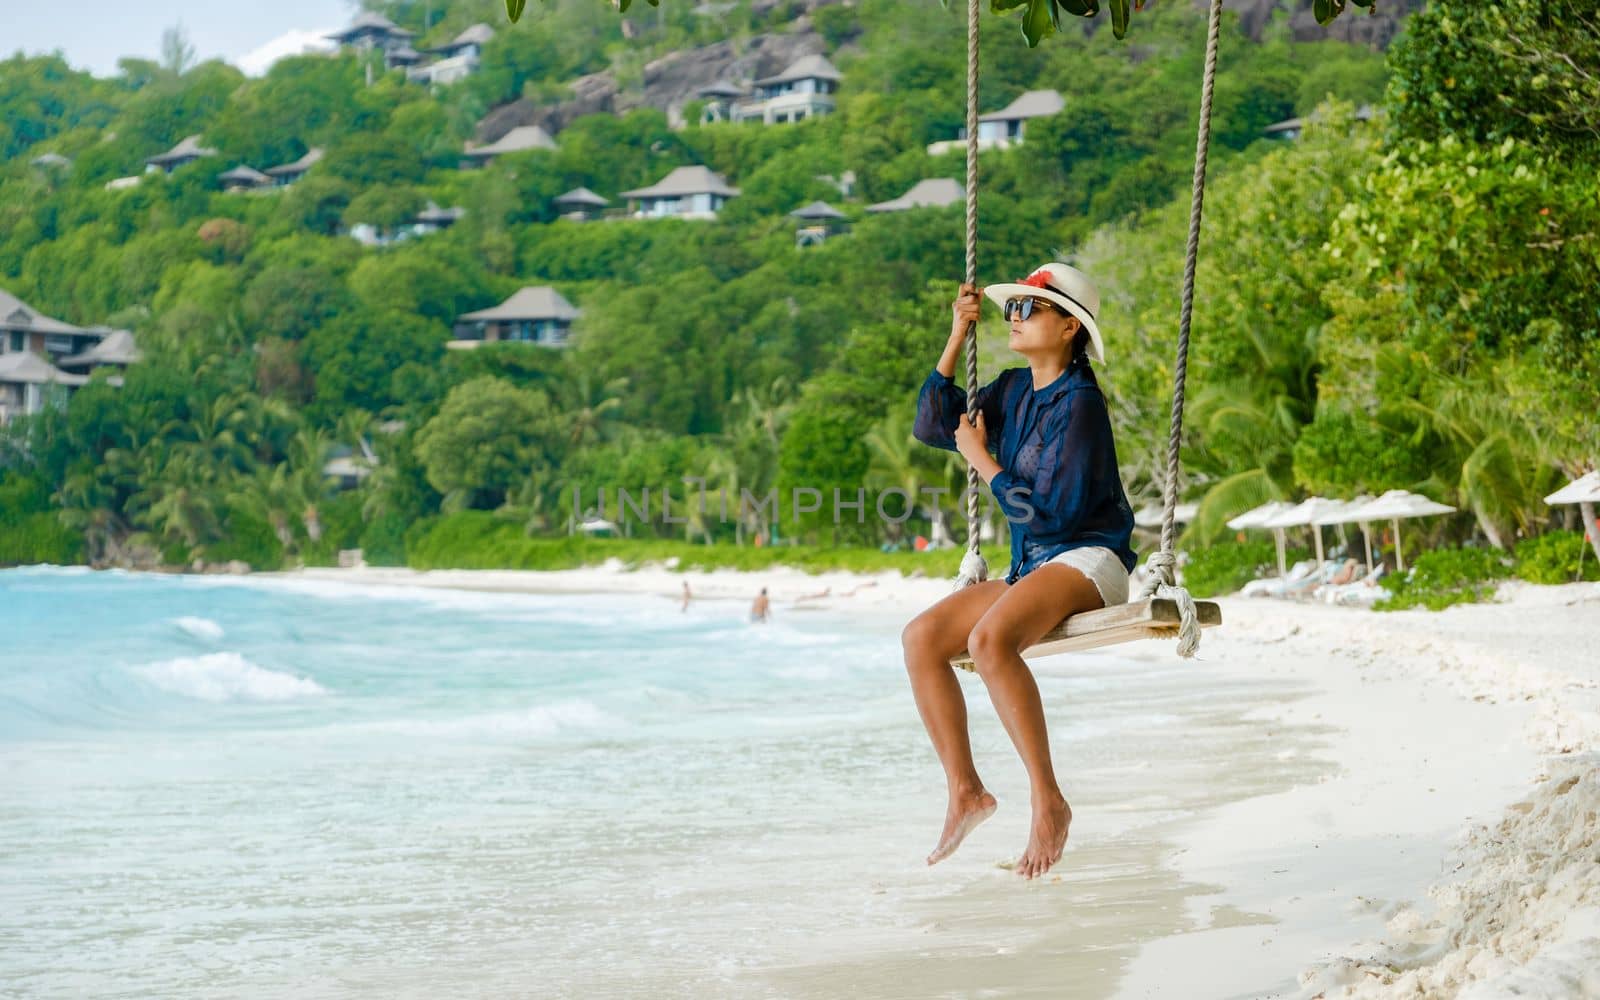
<point x="480" y="540"/>
<point x="1444" y="577"/>
<point x="1339" y="452"/>
<point x="1557" y="557"/>
<point x="1223" y="569"/>
<point x="487" y="439"/>
<point x="249" y="539"/>
<point x="30" y="531"/>
<point x="383" y="541"/>
<point x="1522" y="69"/>
<point x="356" y="358"/>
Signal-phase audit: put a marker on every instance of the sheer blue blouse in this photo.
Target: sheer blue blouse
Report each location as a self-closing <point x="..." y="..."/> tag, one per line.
<point x="1058" y="485"/>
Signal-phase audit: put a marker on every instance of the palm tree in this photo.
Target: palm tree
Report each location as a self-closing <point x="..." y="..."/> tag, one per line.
<point x="88" y="502"/>
<point x="898" y="462"/>
<point x="1502" y="474"/>
<point x="271" y="495"/>
<point x="592" y="408"/>
<point x="308" y="454"/>
<point x="1241" y="431"/>
<point x="751" y="438"/>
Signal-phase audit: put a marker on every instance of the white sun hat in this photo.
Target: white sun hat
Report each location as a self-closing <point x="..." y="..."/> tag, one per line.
<point x="1065" y="286"/>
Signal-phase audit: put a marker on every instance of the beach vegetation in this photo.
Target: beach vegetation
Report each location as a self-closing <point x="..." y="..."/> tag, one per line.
<point x="1217" y="570"/>
<point x="1444" y="577"/>
<point x="1557" y="557"/>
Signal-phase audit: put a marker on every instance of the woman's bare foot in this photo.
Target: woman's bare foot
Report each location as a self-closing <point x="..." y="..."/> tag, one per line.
<point x="1047" y="839"/>
<point x="965" y="813"/>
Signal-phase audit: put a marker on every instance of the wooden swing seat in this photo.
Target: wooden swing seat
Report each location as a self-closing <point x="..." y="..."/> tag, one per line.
<point x="1156" y="618"/>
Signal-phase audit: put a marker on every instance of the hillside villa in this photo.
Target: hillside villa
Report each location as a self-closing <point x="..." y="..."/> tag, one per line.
<point x="371" y="32"/>
<point x="818" y="221"/>
<point x="288" y="173"/>
<point x="687" y="193"/>
<point x="457" y="60"/>
<point x="803" y="90"/>
<point x="935" y="192"/>
<point x="519" y="139"/>
<point x="580" y="205"/>
<point x="28" y="383"/>
<point x="35" y="350"/>
<point x="430" y="219"/>
<point x="184" y="153"/>
<point x="116" y="349"/>
<point x="1005" y="128"/>
<point x="24" y="328"/>
<point x="536" y="314"/>
<point x="247" y="178"/>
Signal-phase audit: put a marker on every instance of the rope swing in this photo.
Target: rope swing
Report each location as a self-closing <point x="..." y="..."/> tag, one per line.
<point x="1163" y="609"/>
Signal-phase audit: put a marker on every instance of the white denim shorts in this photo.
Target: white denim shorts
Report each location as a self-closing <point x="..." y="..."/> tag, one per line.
<point x="1103" y="569"/>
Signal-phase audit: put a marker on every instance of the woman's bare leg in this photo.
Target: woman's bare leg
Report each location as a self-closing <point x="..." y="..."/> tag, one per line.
<point x="930" y="640"/>
<point x="1031" y="607"/>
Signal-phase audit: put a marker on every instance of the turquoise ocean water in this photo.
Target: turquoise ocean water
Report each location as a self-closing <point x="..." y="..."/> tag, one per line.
<point x="219" y="787"/>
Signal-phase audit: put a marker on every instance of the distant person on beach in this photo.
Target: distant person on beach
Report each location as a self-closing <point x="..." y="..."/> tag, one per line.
<point x="685" y="596"/>
<point x="761" y="608"/>
<point x="1056" y="478"/>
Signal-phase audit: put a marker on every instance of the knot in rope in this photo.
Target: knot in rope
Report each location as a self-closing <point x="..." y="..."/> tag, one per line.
<point x="974" y="569"/>
<point x="1160" y="581"/>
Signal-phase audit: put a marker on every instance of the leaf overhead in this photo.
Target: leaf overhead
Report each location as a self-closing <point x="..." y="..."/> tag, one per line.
<point x="1038" y="21"/>
<point x="1119" y="18"/>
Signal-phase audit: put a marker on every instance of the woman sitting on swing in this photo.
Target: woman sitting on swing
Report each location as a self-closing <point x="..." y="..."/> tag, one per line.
<point x="1056" y="480"/>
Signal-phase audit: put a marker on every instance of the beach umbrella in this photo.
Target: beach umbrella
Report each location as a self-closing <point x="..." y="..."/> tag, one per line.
<point x="1584" y="489"/>
<point x="1149" y="516"/>
<point x="1257" y="517"/>
<point x="1305" y="515"/>
<point x="1352" y="514"/>
<point x="1254" y="517"/>
<point x="1394" y="505"/>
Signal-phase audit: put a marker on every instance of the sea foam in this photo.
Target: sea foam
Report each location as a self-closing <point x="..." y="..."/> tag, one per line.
<point x="200" y="628"/>
<point x="223" y="677"/>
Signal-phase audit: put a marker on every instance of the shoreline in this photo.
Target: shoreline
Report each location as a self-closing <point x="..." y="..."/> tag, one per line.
<point x="1448" y="726"/>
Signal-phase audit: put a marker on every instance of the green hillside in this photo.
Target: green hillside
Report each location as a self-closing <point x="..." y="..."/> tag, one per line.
<point x="1407" y="301"/>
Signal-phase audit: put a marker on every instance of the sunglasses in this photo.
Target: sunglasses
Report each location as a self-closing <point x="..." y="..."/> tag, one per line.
<point x="1022" y="308"/>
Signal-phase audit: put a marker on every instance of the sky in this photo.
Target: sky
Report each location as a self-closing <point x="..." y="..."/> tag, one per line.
<point x="94" y="34"/>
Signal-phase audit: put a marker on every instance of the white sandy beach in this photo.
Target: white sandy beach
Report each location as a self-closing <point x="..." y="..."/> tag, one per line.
<point x="1445" y="841"/>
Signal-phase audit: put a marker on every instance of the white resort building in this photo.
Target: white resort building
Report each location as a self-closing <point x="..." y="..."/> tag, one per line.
<point x="536" y="314"/>
<point x="1005" y="128"/>
<point x="371" y="32"/>
<point x="686" y="193"/>
<point x="457" y="60"/>
<point x="35" y="348"/>
<point x="802" y="91"/>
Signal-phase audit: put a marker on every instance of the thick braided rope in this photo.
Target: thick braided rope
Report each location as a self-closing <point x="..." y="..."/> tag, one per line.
<point x="1162" y="565"/>
<point x="973" y="567"/>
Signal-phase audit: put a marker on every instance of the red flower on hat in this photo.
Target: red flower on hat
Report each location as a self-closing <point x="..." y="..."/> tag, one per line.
<point x="1038" y="279"/>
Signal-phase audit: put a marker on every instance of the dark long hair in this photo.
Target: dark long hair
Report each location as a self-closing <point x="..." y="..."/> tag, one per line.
<point x="1079" y="354"/>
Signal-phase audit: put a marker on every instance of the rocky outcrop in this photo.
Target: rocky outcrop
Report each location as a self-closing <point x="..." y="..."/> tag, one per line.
<point x="596" y="93"/>
<point x="1355" y="26"/>
<point x="669" y="82"/>
<point x="675" y="79"/>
